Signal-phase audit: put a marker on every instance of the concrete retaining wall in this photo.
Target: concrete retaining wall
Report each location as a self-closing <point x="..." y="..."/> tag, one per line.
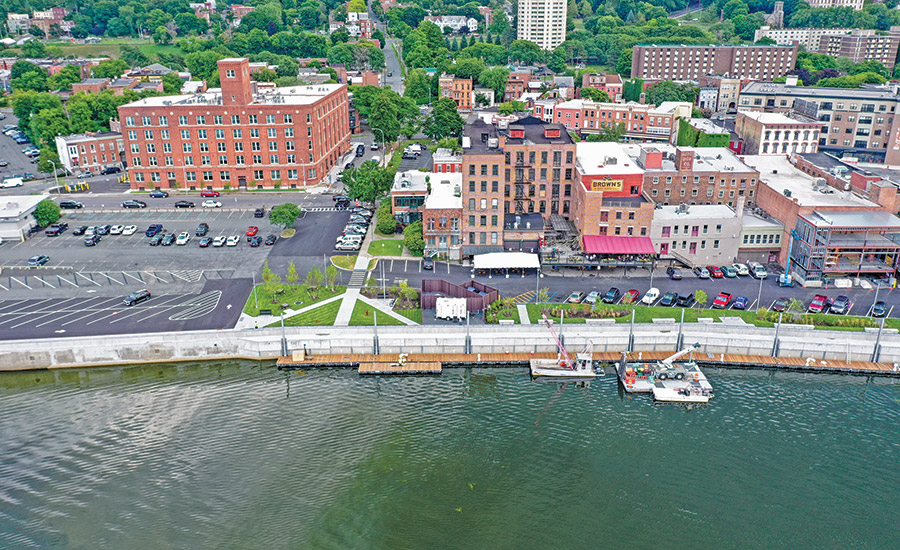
<point x="265" y="344"/>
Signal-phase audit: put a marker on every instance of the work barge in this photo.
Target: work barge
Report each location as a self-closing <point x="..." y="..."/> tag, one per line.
<point x="434" y="363"/>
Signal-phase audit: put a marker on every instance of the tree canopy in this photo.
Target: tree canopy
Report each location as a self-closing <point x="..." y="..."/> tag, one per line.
<point x="368" y="183"/>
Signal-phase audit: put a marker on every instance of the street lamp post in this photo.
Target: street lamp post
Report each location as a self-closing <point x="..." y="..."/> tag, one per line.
<point x="383" y="146"/>
<point x="55" y="173"/>
<point x="759" y="295"/>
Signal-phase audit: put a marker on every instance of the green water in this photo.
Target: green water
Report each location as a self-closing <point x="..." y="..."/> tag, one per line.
<point x="240" y="455"/>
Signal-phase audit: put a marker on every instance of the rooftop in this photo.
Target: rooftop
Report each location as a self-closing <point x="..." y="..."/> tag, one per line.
<point x="77" y="138"/>
<point x="446" y="191"/>
<point x="706" y="159"/>
<point x="779" y="174"/>
<point x="778" y="118"/>
<point x="754" y="221"/>
<point x="695" y="211"/>
<point x="604" y="158"/>
<point x="412" y="181"/>
<point x="447" y="155"/>
<point x="855" y="220"/>
<point x="14" y="206"/>
<point x="288" y="95"/>
<point x="707" y="125"/>
<point x="772" y="88"/>
<point x="93" y="81"/>
<point x="534" y="133"/>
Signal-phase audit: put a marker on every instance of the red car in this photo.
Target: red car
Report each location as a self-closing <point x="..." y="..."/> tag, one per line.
<point x="715" y="272"/>
<point x="819" y="304"/>
<point x="722" y="300"/>
<point x="631" y="296"/>
<point x="209" y="193"/>
<point x="252" y="230"/>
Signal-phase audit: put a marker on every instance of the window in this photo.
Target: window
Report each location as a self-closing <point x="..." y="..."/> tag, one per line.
<point x="292" y="174"/>
<point x="220" y="133"/>
<point x="129" y="121"/>
<point x="276" y="174"/>
<point x="207" y="175"/>
<point x="483" y="204"/>
<point x="289" y="145"/>
<point x="238" y="146"/>
<point x="716" y="244"/>
<point x="254" y="132"/>
<point x="273" y="159"/>
<point x="201" y="120"/>
<point x="145" y="120"/>
<point x="185" y="134"/>
<point x="217" y="120"/>
<point x="204" y="160"/>
<point x="223" y="159"/>
<point x="189" y="161"/>
<point x="272" y="133"/>
<point x="235" y="119"/>
<point x="289" y="132"/>
<point x="273" y="146"/>
<point x="258" y="174"/>
<point x="225" y="175"/>
<point x="239" y="159"/>
<point x="288" y="119"/>
<point x="254" y="146"/>
<point x="254" y="119"/>
<point x="186" y="147"/>
<point x="201" y="134"/>
<point x="204" y="147"/>
<point x="229" y="73"/>
<point x="221" y="147"/>
<point x="148" y="134"/>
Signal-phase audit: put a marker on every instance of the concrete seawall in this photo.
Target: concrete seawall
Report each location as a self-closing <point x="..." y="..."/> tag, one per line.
<point x="266" y="344"/>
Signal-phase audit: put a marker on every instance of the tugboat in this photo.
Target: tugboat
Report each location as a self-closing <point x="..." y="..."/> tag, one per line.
<point x="564" y="366"/>
<point x="667" y="381"/>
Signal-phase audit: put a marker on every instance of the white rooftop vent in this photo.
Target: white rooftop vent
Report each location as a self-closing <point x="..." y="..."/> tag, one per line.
<point x="493" y="143"/>
<point x="466" y="142"/>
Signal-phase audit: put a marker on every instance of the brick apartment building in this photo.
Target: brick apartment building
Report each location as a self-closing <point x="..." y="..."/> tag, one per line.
<point x="460" y="90"/>
<point x="690" y="62"/>
<point x="857" y="45"/>
<point x="609" y="83"/>
<point x="516" y="84"/>
<point x="90" y="152"/>
<point x="236" y="136"/>
<point x="857" y="122"/>
<point x="777" y="133"/>
<point x="642" y="122"/>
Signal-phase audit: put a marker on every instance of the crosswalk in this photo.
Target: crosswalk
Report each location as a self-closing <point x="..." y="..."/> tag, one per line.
<point x="357" y="278"/>
<point x="320" y="209"/>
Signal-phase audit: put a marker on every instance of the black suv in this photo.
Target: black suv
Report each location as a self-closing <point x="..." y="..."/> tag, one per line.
<point x="110" y="170"/>
<point x="158" y="194"/>
<point x="79" y="230"/>
<point x="840" y="306"/>
<point x="154" y="229"/>
<point x="668" y="299"/>
<point x="611" y="296"/>
<point x="360" y="150"/>
<point x="259" y="213"/>
<point x="56" y="229"/>
<point x="70" y="204"/>
<point x="674" y="273"/>
<point x="92" y="240"/>
<point x="137" y="297"/>
<point x="686" y="300"/>
<point x="202" y="229"/>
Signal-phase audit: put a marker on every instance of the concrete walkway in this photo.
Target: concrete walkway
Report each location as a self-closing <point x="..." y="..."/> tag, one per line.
<point x="247" y="321"/>
<point x="350" y="298"/>
<point x="523" y="314"/>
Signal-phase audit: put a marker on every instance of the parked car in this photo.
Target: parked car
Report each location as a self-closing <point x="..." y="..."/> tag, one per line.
<point x="347" y="246"/>
<point x="668" y="299"/>
<point x="880" y="309"/>
<point x="650" y="296"/>
<point x="134" y="204"/>
<point x="110" y="170"/>
<point x="722" y="300"/>
<point x="701" y="272"/>
<point x="167" y="239"/>
<point x="184" y="204"/>
<point x="155" y="240"/>
<point x="209" y="193"/>
<point x="360" y="150"/>
<point x="252" y="230"/>
<point x="741" y="269"/>
<point x="39" y="260"/>
<point x="205" y="242"/>
<point x="674" y="273"/>
<point x="780" y="305"/>
<point x="255" y="241"/>
<point x="159" y="194"/>
<point x="409" y="156"/>
<point x="819" y="304"/>
<point x="211" y="204"/>
<point x="428" y="263"/>
<point x="91" y="229"/>
<point x="841" y="305"/>
<point x="232" y="240"/>
<point x="575" y="298"/>
<point x="592" y="297"/>
<point x="271" y="239"/>
<point x="612" y="296"/>
<point x="714" y="272"/>
<point x="182" y="238"/>
<point x="79" y="230"/>
<point x="259" y="213"/>
<point x="757" y="271"/>
<point x="3" y="163"/>
<point x="116" y="229"/>
<point x="202" y="229"/>
<point x="219" y="241"/>
<point x="103" y="229"/>
<point x="54" y="230"/>
<point x="129" y="230"/>
<point x="374" y="146"/>
<point x="70" y="205"/>
<point x="728" y="271"/>
<point x="92" y="240"/>
<point x="631" y="296"/>
<point x="685" y="300"/>
<point x="137" y="297"/>
<point x="337" y="198"/>
<point x="153" y="229"/>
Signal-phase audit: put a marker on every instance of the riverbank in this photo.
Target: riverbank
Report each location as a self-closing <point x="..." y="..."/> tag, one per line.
<point x="787" y="341"/>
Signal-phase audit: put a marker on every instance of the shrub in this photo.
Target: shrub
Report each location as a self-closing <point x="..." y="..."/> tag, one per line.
<point x="384" y="217"/>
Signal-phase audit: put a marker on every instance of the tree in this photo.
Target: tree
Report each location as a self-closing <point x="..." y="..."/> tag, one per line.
<point x="46" y="212"/>
<point x="700" y="297"/>
<point x="33" y="48"/>
<point x="418" y="85"/>
<point x="313" y="281"/>
<point x="468" y="68"/>
<point x="557" y="62"/>
<point x="671" y="91"/>
<point x="542" y="296"/>
<point x="285" y="214"/>
<point x="202" y="65"/>
<point x="444" y="120"/>
<point x="63" y="80"/>
<point x="133" y="55"/>
<point x="609" y="132"/>
<point x="384" y="218"/>
<point x="331" y="275"/>
<point x="623" y="64"/>
<point x="413" y="239"/>
<point x="368" y="183"/>
<point x="48" y="159"/>
<point x="110" y="68"/>
<point x="511" y="107"/>
<point x="594" y="94"/>
<point x="526" y="52"/>
<point x="385" y="117"/>
<point x="269" y="277"/>
<point x="172" y="83"/>
<point x="292" y="276"/>
<point x="495" y="78"/>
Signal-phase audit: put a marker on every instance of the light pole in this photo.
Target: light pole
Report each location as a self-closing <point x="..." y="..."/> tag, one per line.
<point x="55" y="174"/>
<point x="759" y="295"/>
<point x="877" y="288"/>
<point x="383" y="147"/>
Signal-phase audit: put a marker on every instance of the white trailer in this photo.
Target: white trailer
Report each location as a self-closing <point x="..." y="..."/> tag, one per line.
<point x="453" y="309"/>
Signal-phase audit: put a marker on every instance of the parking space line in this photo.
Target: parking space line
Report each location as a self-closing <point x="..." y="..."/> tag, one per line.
<point x="94" y="309"/>
<point x="21" y="283"/>
<point x="110" y="279"/>
<point x="138" y="311"/>
<point x="15" y="303"/>
<point x="88" y="279"/>
<point x="138" y="278"/>
<point x="3" y="287"/>
<point x="41" y="279"/>
<point x="155" y="277"/>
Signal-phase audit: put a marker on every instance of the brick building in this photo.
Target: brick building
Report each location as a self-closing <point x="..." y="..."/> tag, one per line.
<point x="690" y="62"/>
<point x="92" y="151"/>
<point x="516" y="84"/>
<point x="642" y="122"/>
<point x="441" y="218"/>
<point x="90" y="85"/>
<point x="857" y="122"/>
<point x="727" y="91"/>
<point x="863" y="45"/>
<point x="608" y="194"/>
<point x="609" y="83"/>
<point x="447" y="161"/>
<point x="855" y="4"/>
<point x="698" y="235"/>
<point x="777" y="133"/>
<point x="408" y="196"/>
<point x="236" y="136"/>
<point x="460" y="90"/>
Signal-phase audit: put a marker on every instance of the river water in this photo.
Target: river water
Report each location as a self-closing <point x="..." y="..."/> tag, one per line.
<point x="240" y="455"/>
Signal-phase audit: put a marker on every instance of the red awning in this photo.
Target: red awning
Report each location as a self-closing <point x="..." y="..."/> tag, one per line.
<point x="615" y="244"/>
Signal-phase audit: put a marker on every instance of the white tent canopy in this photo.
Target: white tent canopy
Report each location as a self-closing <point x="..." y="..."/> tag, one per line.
<point x="507" y="260"/>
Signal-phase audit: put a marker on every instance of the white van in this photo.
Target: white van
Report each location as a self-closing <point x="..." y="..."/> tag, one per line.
<point x="12" y="182"/>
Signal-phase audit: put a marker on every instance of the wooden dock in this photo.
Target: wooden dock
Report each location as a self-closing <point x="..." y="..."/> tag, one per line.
<point x="434" y="363"/>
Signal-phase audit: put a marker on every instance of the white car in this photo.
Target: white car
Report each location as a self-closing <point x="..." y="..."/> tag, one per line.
<point x="233" y="240"/>
<point x="129" y="230"/>
<point x="741" y="269"/>
<point x="116" y="229"/>
<point x="90" y="231"/>
<point x="212" y="204"/>
<point x="219" y="241"/>
<point x="651" y="296"/>
<point x="182" y="238"/>
<point x="347" y="245"/>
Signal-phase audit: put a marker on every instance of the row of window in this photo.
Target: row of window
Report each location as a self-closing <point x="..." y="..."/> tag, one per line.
<point x="695" y="193"/>
<point x="206" y="160"/>
<point x="221" y="147"/>
<point x="224" y="175"/>
<point x="664" y="247"/>
<point x="618" y="231"/>
<point x="765" y="238"/>
<point x="712" y="180"/>
<point x="218" y="120"/>
<point x="236" y="133"/>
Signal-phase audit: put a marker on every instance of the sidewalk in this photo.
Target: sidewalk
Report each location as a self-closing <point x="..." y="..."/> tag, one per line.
<point x="350" y="298"/>
<point x="248" y="321"/>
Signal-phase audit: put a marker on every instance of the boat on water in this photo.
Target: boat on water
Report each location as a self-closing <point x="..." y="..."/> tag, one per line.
<point x="668" y="381"/>
<point x="581" y="366"/>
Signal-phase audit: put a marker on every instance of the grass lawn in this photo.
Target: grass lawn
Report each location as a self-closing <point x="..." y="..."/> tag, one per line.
<point x="322" y="315"/>
<point x="113" y="48"/>
<point x="291" y="295"/>
<point x="411" y="314"/>
<point x="347" y="262"/>
<point x="359" y="317"/>
<point x="386" y="247"/>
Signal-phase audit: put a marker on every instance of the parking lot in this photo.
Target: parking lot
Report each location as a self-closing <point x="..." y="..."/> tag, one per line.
<point x="218" y="304"/>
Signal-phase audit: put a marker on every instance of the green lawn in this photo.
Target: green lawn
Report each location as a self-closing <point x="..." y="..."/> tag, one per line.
<point x="291" y="295"/>
<point x="386" y="247"/>
<point x="359" y="317"/>
<point x="322" y="315"/>
<point x="344" y="262"/>
<point x="411" y="314"/>
<point x="113" y="48"/>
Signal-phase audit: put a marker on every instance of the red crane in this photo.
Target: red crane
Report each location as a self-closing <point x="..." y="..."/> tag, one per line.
<point x="569" y="364"/>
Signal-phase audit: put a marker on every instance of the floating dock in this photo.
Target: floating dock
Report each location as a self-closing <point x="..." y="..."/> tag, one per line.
<point x="381" y="364"/>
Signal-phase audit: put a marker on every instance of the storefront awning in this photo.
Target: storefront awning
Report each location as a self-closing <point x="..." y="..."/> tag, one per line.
<point x="506" y="260"/>
<point x="615" y="244"/>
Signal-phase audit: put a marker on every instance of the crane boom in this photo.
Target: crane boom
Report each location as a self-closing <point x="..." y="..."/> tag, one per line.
<point x="671" y="359"/>
<point x="559" y="346"/>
